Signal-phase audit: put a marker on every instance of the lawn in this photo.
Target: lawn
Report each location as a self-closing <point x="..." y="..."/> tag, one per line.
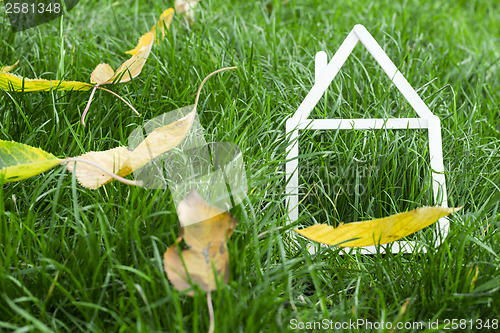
<point x="75" y="259"/>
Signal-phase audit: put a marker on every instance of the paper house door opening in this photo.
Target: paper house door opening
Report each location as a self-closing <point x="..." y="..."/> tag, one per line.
<point x="324" y="74"/>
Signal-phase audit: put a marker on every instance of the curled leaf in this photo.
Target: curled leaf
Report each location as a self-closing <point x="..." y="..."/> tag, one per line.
<point x="207" y="259"/>
<point x="162" y="25"/>
<point x="17" y="83"/>
<point x="379" y="231"/>
<point x="7" y="69"/>
<point x="19" y="161"/>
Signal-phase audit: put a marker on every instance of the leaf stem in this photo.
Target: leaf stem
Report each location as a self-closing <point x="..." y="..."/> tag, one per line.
<point x="109" y="173"/>
<point x="210" y="312"/>
<point x="205" y="80"/>
<point x="97" y="86"/>
<point x="88" y="105"/>
<point x="122" y="99"/>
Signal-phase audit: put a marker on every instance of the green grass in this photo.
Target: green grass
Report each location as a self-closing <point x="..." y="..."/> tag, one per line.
<point x="73" y="259"/>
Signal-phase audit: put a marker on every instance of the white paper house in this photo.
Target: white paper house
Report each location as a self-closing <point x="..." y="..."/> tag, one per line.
<point x="324" y="74"/>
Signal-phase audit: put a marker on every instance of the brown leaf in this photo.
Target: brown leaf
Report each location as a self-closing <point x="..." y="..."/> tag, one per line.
<point x="200" y="222"/>
<point x="199" y="265"/>
<point x="206" y="231"/>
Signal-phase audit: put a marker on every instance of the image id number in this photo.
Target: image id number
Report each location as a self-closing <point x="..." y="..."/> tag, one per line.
<point x="463" y="324"/>
<point x="25" y="8"/>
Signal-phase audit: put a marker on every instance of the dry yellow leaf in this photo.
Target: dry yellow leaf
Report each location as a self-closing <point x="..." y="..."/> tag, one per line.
<point x="207" y="253"/>
<point x="164" y="22"/>
<point x="159" y="141"/>
<point x="163" y="25"/>
<point x="379" y="231"/>
<point x="91" y="177"/>
<point x="104" y="74"/>
<point x="200" y="270"/>
<point x="7" y="69"/>
<point x="133" y="66"/>
<point x="145" y="40"/>
<point x="123" y="162"/>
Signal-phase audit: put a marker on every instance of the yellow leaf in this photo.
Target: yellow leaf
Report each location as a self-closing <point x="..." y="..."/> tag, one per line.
<point x="200" y="271"/>
<point x="7" y="69"/>
<point x="133" y="67"/>
<point x="145" y="40"/>
<point x="164" y="22"/>
<point x="207" y="251"/>
<point x="129" y="69"/>
<point x="159" y="141"/>
<point x="17" y="83"/>
<point x="91" y="177"/>
<point x="379" y="231"/>
<point x="102" y="74"/>
<point x="19" y="161"/>
<point x="123" y="162"/>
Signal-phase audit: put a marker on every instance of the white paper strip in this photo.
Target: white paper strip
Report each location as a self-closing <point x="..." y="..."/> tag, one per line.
<point x="324" y="74"/>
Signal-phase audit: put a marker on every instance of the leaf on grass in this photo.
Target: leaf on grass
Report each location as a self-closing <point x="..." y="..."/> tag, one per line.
<point x="95" y="169"/>
<point x="104" y="74"/>
<point x="143" y="41"/>
<point x="206" y="260"/>
<point x="19" y="161"/>
<point x="101" y="74"/>
<point x="162" y="25"/>
<point x="379" y="231"/>
<point x="7" y="69"/>
<point x="92" y="177"/>
<point x="17" y="83"/>
<point x="159" y="141"/>
<point x="123" y="162"/>
<point x="164" y="22"/>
